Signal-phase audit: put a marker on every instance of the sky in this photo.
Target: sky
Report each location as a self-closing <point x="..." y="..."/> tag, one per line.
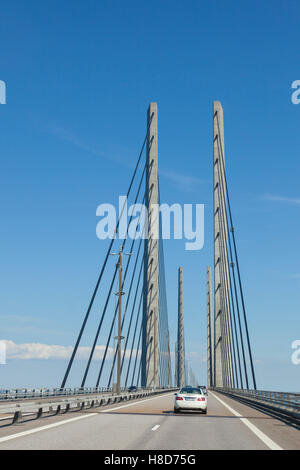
<point x="79" y="78"/>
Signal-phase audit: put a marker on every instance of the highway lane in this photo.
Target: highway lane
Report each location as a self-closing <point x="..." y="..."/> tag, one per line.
<point x="151" y="424"/>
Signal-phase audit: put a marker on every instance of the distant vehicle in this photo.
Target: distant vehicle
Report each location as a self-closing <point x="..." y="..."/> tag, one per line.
<point x="132" y="388"/>
<point x="190" y="398"/>
<point x="204" y="389"/>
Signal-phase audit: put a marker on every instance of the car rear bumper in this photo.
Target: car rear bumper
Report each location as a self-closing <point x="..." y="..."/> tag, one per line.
<point x="190" y="405"/>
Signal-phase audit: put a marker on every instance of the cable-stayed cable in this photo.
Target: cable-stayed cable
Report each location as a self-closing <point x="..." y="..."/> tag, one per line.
<point x="237" y="264"/>
<point x="133" y="340"/>
<point x="103" y="266"/>
<point x="221" y="186"/>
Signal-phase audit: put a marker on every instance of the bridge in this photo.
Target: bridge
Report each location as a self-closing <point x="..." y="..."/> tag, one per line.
<point x="130" y="404"/>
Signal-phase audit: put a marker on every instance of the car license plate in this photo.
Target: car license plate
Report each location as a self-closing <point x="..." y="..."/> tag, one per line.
<point x="190" y="398"/>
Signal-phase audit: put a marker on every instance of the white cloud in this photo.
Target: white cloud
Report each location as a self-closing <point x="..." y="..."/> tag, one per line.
<point x="183" y="182"/>
<point x="287" y="200"/>
<point x="68" y="136"/>
<point x="27" y="351"/>
<point x="295" y="276"/>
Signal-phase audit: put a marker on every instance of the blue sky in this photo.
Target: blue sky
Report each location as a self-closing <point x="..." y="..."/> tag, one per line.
<point x="79" y="79"/>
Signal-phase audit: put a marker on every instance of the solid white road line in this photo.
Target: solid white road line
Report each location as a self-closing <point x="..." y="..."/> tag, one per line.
<point x="43" y="428"/>
<point x="155" y="427"/>
<point x="71" y="420"/>
<point x="262" y="436"/>
<point x="135" y="403"/>
<point x="11" y="415"/>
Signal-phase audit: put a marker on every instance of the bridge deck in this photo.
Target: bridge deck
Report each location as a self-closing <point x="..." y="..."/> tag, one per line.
<point x="151" y="424"/>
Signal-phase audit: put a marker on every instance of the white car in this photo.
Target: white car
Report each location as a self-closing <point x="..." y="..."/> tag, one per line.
<point x="190" y="398"/>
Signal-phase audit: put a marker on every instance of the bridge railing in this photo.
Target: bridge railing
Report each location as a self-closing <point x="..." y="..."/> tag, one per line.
<point x="15" y="412"/>
<point x="287" y="403"/>
<point x="26" y="393"/>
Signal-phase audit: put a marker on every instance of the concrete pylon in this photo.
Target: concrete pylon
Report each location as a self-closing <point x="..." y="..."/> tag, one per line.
<point x="169" y="362"/>
<point x="222" y="340"/>
<point x="210" y="348"/>
<point x="176" y="364"/>
<point x="150" y="350"/>
<point x="180" y="338"/>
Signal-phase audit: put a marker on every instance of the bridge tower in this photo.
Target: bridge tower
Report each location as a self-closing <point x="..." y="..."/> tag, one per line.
<point x="180" y="338"/>
<point x="223" y="376"/>
<point x="210" y="342"/>
<point x="150" y="349"/>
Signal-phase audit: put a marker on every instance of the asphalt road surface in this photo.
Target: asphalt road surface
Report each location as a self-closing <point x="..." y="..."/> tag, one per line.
<point x="150" y="424"/>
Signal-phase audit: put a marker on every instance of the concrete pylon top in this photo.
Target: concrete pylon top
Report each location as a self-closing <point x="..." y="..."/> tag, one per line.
<point x="153" y="106"/>
<point x="217" y="104"/>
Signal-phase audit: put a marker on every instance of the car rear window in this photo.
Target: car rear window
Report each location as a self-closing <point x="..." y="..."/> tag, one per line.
<point x="191" y="391"/>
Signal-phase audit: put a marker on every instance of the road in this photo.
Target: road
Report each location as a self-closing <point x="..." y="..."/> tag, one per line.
<point x="150" y="424"/>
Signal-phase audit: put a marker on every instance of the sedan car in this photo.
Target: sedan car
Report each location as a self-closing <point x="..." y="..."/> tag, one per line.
<point x="190" y="398"/>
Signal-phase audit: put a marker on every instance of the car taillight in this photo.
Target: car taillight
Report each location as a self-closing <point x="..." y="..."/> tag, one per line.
<point x="179" y="398"/>
<point x="201" y="399"/>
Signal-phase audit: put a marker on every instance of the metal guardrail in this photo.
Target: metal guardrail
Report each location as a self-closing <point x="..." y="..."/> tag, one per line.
<point x="25" y="393"/>
<point x="287" y="403"/>
<point x="17" y="410"/>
